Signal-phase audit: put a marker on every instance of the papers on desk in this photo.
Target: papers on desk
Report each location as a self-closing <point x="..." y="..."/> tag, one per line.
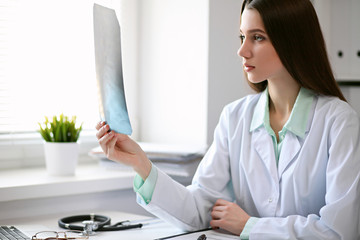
<point x="210" y="235"/>
<point x="176" y="160"/>
<point x="172" y="153"/>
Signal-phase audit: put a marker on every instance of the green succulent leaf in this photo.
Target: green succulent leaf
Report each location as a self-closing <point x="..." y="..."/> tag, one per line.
<point x="61" y="129"/>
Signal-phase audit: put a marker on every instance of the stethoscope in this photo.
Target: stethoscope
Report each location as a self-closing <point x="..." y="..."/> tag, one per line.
<point x="93" y="222"/>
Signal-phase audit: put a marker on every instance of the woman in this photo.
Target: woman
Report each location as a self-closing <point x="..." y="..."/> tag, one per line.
<point x="284" y="163"/>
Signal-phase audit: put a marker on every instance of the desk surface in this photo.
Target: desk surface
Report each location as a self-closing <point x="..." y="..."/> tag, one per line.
<point x="154" y="229"/>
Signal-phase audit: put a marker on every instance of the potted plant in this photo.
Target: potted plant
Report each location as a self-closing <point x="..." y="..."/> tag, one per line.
<point x="61" y="146"/>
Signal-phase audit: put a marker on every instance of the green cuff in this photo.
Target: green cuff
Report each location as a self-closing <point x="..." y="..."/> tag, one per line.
<point x="146" y="188"/>
<point x="245" y="234"/>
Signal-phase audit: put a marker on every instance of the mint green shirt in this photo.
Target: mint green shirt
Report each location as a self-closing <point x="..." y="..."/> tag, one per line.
<point x="296" y="124"/>
<point x="146" y="188"/>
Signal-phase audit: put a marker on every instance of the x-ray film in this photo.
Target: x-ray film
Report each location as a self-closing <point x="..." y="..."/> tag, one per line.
<point x="109" y="73"/>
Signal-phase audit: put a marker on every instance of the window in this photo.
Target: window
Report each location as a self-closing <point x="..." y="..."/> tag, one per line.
<point x="46" y="63"/>
<point x="47" y="67"/>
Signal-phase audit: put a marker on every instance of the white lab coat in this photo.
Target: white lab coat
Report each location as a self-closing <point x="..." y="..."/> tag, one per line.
<point x="314" y="193"/>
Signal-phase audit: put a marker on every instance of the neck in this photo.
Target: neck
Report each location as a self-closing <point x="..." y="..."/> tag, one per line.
<point x="282" y="96"/>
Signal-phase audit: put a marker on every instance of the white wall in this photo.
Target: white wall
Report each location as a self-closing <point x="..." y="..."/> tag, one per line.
<point x="173" y="70"/>
<point x="226" y="81"/>
<point x="352" y="95"/>
<point x="188" y="68"/>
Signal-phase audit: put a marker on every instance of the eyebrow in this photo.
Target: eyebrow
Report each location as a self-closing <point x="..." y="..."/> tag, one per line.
<point x="255" y="30"/>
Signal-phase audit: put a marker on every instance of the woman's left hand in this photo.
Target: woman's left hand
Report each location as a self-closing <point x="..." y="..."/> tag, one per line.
<point x="229" y="216"/>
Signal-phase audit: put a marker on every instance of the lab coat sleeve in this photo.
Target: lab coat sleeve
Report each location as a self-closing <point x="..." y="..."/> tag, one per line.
<point x="339" y="217"/>
<point x="189" y="207"/>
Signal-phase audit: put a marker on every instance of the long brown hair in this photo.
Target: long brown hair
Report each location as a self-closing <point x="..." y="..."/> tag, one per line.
<point x="294" y="30"/>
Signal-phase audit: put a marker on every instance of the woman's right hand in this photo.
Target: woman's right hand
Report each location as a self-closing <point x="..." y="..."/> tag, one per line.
<point x="121" y="148"/>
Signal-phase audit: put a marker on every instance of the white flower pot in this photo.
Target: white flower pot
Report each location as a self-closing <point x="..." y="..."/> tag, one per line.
<point x="61" y="158"/>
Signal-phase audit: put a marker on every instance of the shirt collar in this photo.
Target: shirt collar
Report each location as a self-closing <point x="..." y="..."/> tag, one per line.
<point x="298" y="118"/>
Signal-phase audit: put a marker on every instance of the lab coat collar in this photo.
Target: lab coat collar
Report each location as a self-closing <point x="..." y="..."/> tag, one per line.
<point x="261" y="107"/>
<point x="289" y="151"/>
<point x="263" y="145"/>
<point x="298" y="120"/>
<point x="297" y="125"/>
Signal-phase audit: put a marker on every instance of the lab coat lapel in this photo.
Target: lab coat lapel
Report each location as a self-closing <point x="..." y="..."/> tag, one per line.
<point x="288" y="152"/>
<point x="264" y="146"/>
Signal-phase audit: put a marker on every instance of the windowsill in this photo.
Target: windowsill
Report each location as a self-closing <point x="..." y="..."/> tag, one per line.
<point x="33" y="183"/>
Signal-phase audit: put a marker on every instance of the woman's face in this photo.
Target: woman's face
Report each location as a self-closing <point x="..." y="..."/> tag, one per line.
<point x="260" y="60"/>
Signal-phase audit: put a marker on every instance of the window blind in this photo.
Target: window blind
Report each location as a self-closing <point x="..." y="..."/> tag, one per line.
<point x="47" y="64"/>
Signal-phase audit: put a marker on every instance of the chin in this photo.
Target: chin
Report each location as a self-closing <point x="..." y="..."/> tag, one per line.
<point x="252" y="78"/>
<point x="255" y="80"/>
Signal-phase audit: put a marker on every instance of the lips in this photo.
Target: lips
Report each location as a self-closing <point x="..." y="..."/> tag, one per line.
<point x="248" y="67"/>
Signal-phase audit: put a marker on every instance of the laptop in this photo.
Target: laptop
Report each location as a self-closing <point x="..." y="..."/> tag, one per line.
<point x="26" y="232"/>
<point x="17" y="232"/>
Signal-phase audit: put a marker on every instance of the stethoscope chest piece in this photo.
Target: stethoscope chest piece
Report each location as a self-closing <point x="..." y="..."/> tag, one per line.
<point x="90" y="227"/>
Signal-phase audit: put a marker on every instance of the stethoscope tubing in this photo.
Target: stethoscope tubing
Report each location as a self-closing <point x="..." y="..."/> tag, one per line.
<point x="103" y="223"/>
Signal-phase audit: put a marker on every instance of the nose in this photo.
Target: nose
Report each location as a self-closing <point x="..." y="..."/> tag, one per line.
<point x="244" y="50"/>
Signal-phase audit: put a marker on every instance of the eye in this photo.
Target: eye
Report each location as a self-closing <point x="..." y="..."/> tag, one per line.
<point x="242" y="37"/>
<point x="258" y="38"/>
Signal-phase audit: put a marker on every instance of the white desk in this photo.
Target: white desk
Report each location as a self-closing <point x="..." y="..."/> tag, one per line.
<point x="155" y="229"/>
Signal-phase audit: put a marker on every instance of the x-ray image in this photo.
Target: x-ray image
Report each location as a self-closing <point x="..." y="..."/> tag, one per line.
<point x="109" y="71"/>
